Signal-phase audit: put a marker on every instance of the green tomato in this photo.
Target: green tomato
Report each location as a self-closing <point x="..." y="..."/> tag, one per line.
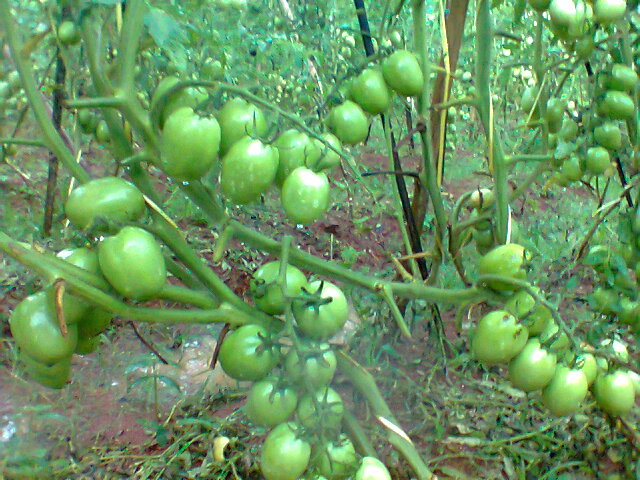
<point x="370" y="91"/>
<point x="585" y="46"/>
<point x="68" y="33"/>
<point x="562" y="13"/>
<point x="293" y="149"/>
<point x="402" y="72"/>
<point x="285" y="455"/>
<point x="189" y="144"/>
<point x="305" y="195"/>
<point x="88" y="121"/>
<point x="507" y="260"/>
<point x="571" y="169"/>
<point x="320" y="156"/>
<point x="559" y="344"/>
<point x="267" y="293"/>
<point x="622" y="78"/>
<point x="528" y="101"/>
<point x="102" y="133"/>
<point x="539" y="5"/>
<point x="635" y="379"/>
<point x="322" y="409"/>
<point x="337" y="459"/>
<point x="132" y="262"/>
<point x="614" y="393"/>
<point x="605" y="300"/>
<point x="484" y="239"/>
<point x="566" y="391"/>
<point x="482" y="198"/>
<point x="268" y="404"/>
<point x="598" y="160"/>
<point x="317" y="367"/>
<point x="35" y="329"/>
<point x="239" y="118"/>
<point x="212" y="69"/>
<point x="349" y="123"/>
<point x="533" y="368"/>
<point x="87" y="345"/>
<point x="248" y="169"/>
<point x="569" y="130"/>
<point x="110" y="198"/>
<point x="321" y="322"/>
<point x="609" y="11"/>
<point x="616" y="105"/>
<point x="93" y="323"/>
<point x="629" y="313"/>
<point x="372" y="469"/>
<point x="247" y="354"/>
<point x="498" y="338"/>
<point x="534" y="316"/>
<point x="586" y="362"/>
<point x="187" y="97"/>
<point x="555" y="113"/>
<point x="608" y="135"/>
<point x="52" y="376"/>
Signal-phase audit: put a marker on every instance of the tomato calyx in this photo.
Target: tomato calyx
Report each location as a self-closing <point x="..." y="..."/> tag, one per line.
<point x="314" y="300"/>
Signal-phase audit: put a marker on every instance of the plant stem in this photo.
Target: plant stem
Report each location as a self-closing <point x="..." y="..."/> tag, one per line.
<point x="364" y="382"/>
<point x="484" y="49"/>
<point x="187" y="296"/>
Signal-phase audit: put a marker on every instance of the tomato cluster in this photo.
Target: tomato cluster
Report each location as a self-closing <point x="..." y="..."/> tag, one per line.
<point x="525" y="335"/>
<point x="292" y="369"/>
<point x="130" y="260"/>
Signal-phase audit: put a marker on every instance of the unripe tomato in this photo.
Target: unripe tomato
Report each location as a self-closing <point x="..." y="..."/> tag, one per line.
<point x="68" y="33"/>
<point x="87" y="120"/>
<point x="534" y="315"/>
<point x="559" y="344"/>
<point x="212" y="69"/>
<point x="321" y="322"/>
<point x="555" y="112"/>
<point x="337" y="458"/>
<point x="318" y="365"/>
<point x="349" y="123"/>
<point x="533" y="368"/>
<point x="484" y="239"/>
<point x="605" y="300"/>
<point x="189" y="144"/>
<point x="608" y="135"/>
<point x="609" y="11"/>
<point x="615" y="393"/>
<point x="246" y="354"/>
<point x="238" y="118"/>
<point x="93" y="323"/>
<point x="293" y="149"/>
<point x="187" y="97"/>
<point x="498" y="338"/>
<point x="322" y="157"/>
<point x="52" y="376"/>
<point x="370" y="92"/>
<point x="586" y="362"/>
<point x="102" y="133"/>
<point x="622" y="78"/>
<point x="268" y="294"/>
<point x="87" y="345"/>
<point x="539" y="5"/>
<point x="507" y="260"/>
<point x="616" y="105"/>
<point x="569" y="130"/>
<point x="305" y="195"/>
<point x="629" y="312"/>
<point x="132" y="262"/>
<point x="635" y="379"/>
<point x="111" y="198"/>
<point x="285" y="455"/>
<point x="597" y="161"/>
<point x="617" y="349"/>
<point x="482" y="198"/>
<point x="269" y="404"/>
<point x="585" y="46"/>
<point x="566" y="391"/>
<point x="571" y="169"/>
<point x="248" y="169"/>
<point x="372" y="469"/>
<point x="562" y="13"/>
<point x="403" y="74"/>
<point x="528" y="101"/>
<point x="323" y="408"/>
<point x="35" y="329"/>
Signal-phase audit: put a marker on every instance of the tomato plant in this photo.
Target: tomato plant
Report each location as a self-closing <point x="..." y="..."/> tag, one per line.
<point x="317" y="365"/>
<point x="285" y="456"/>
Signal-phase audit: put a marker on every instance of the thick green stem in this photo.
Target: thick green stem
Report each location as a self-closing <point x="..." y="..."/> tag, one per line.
<point x="132" y="29"/>
<point x="364" y="382"/>
<point x="187" y="296"/>
<point x="51" y="137"/>
<point x="484" y="49"/>
<point x="21" y="141"/>
<point x="358" y="435"/>
<point x="428" y="175"/>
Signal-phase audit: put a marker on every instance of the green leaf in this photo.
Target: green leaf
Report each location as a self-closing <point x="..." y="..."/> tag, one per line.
<point x="163" y="29"/>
